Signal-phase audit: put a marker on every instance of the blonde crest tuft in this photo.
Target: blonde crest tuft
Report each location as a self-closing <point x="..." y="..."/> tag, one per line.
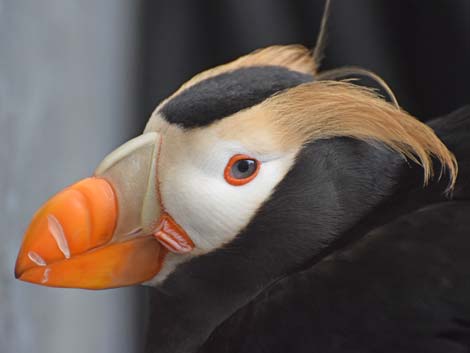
<point x="326" y="109"/>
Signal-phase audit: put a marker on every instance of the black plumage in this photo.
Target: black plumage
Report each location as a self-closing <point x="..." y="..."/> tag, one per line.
<point x="350" y="254"/>
<point x="223" y="95"/>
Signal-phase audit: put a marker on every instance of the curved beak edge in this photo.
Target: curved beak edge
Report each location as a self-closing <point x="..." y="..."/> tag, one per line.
<point x="70" y="243"/>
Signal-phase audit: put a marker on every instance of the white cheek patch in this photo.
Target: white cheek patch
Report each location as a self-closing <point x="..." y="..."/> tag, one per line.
<point x="195" y="193"/>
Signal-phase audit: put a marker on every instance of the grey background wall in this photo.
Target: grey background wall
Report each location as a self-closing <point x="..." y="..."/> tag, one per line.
<point x="67" y="97"/>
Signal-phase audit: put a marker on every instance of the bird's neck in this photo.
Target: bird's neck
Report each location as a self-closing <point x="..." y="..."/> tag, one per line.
<point x="334" y="187"/>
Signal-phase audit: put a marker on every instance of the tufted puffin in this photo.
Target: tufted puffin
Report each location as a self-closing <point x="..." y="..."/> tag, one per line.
<point x="274" y="209"/>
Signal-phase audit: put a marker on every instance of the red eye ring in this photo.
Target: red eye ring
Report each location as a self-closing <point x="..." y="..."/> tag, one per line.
<point x="252" y="163"/>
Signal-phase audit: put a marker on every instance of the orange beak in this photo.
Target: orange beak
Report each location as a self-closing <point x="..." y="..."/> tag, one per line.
<point x="70" y="243"/>
<point x="97" y="233"/>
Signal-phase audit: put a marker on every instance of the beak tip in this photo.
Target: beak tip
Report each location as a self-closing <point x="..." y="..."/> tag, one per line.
<point x="18" y="270"/>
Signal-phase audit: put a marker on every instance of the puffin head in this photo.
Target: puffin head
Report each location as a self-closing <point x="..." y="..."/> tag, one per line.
<point x="245" y="172"/>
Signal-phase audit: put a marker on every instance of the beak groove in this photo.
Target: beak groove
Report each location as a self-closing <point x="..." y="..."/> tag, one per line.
<point x="76" y="220"/>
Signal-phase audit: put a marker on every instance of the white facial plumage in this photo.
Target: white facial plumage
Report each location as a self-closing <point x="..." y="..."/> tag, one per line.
<point x="193" y="189"/>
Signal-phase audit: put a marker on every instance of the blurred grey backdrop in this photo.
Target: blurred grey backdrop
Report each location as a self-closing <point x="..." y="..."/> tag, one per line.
<point x="67" y="98"/>
<point x="79" y="77"/>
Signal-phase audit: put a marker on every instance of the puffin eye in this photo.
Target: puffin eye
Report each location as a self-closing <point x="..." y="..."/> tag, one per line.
<point x="241" y="169"/>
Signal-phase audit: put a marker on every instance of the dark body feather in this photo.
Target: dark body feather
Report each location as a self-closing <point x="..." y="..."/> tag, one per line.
<point x="403" y="288"/>
<point x="351" y="254"/>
